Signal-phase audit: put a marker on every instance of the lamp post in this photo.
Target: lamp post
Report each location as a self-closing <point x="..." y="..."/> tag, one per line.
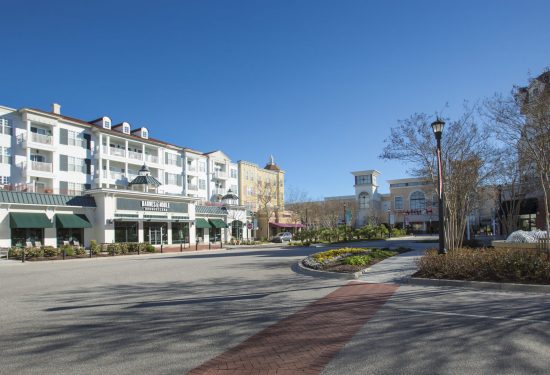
<point x="437" y="127"/>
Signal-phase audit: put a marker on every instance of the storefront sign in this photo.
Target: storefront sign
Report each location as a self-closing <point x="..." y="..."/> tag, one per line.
<point x="155" y="206"/>
<point x="150" y="205"/>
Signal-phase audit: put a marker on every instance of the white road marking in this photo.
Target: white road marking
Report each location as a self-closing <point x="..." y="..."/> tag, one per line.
<point x="475" y="316"/>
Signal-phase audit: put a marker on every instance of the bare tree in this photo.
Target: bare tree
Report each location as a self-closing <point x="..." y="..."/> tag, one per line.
<point x="467" y="162"/>
<point x="521" y="120"/>
<point x="266" y="194"/>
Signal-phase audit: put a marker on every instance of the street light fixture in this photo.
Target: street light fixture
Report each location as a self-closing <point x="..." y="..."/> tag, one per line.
<point x="437" y="127"/>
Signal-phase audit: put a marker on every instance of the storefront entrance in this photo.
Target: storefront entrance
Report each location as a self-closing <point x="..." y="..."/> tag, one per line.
<point x="155" y="233"/>
<point x="180" y="233"/>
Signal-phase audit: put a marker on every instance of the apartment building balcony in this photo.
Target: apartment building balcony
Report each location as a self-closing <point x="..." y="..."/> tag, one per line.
<point x="35" y="140"/>
<point x="151" y="158"/>
<point x="115" y="151"/>
<point x="192" y="187"/>
<point x="41" y="166"/>
<point x="222" y="175"/>
<point x="135" y="155"/>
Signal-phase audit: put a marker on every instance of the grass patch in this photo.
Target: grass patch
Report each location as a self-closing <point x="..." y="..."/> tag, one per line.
<point x="487" y="264"/>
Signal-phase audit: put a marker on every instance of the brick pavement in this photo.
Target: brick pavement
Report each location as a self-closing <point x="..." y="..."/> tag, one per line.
<point x="306" y="341"/>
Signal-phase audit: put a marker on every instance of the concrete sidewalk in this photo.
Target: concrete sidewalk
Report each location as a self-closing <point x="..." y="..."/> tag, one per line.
<point x="397" y="269"/>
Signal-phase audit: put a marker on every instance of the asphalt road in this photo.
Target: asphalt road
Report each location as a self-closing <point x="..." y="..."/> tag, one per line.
<point x="167" y="314"/>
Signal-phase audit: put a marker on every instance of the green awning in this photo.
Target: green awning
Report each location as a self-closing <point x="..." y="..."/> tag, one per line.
<point x="202" y="223"/>
<point x="72" y="221"/>
<point x="29" y="220"/>
<point x="218" y="223"/>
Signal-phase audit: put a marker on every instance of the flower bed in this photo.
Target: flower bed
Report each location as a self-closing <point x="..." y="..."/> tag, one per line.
<point x="483" y="264"/>
<point x="347" y="259"/>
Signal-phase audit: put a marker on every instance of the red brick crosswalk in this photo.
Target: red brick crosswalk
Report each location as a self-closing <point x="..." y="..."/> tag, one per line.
<point x="304" y="342"/>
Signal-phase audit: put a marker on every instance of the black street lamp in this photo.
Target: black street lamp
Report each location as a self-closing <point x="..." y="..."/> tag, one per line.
<point x="437" y="127"/>
<point x="389" y="223"/>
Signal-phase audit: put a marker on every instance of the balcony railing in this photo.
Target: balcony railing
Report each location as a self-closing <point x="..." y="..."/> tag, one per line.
<point x="135" y="155"/>
<point x="220" y="174"/>
<point x="192" y="187"/>
<point x="117" y="151"/>
<point x="41" y="166"/>
<point x="191" y="168"/>
<point x="151" y="158"/>
<point x="41" y="138"/>
<point x="116" y="175"/>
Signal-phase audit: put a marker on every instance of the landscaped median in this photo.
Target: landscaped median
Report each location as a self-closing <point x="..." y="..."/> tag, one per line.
<point x="346" y="262"/>
<point x="488" y="268"/>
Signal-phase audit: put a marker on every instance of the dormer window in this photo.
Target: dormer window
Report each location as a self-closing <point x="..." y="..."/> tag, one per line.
<point x="107" y="124"/>
<point x="144" y="133"/>
<point x="126" y="129"/>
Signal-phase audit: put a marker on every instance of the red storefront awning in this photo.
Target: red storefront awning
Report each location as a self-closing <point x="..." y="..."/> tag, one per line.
<point x="281" y="225"/>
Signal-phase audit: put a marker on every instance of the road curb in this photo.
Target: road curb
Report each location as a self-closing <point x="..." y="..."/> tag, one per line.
<point x="299" y="268"/>
<point x="482" y="285"/>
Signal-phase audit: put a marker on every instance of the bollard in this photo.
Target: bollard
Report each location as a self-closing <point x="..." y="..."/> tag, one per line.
<point x="90" y="252"/>
<point x="181" y="247"/>
<point x="209" y="245"/>
<point x="161" y="247"/>
<point x="64" y="253"/>
<point x="221" y="244"/>
<point x="197" y="246"/>
<point x="23" y="255"/>
<point x="138" y="247"/>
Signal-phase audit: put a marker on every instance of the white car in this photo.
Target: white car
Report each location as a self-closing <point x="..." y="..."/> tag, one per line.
<point x="282" y="237"/>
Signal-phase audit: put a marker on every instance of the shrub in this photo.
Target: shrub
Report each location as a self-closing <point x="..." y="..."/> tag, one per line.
<point x="500" y="265"/>
<point x="50" y="251"/>
<point x="358" y="260"/>
<point x="68" y="249"/>
<point x="150" y="248"/>
<point x="95" y="248"/>
<point x="79" y="251"/>
<point x="114" y="248"/>
<point x="14" y="252"/>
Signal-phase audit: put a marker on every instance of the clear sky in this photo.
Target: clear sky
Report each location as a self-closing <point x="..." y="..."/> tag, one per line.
<point x="316" y="83"/>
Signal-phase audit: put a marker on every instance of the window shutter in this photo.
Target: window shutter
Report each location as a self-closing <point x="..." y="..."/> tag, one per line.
<point x="180" y="161"/>
<point x="63" y="187"/>
<point x="63" y="136"/>
<point x="166" y="177"/>
<point x="166" y="158"/>
<point x="88" y="141"/>
<point x="63" y="163"/>
<point x="180" y="180"/>
<point x="88" y="163"/>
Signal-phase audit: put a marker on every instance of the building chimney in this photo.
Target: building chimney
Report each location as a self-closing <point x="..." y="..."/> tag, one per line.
<point x="56" y="108"/>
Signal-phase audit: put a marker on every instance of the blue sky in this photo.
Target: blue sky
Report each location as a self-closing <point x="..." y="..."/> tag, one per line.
<point x="316" y="83"/>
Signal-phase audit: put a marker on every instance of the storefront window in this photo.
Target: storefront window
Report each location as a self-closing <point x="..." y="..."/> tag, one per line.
<point x="237" y="229"/>
<point x="126" y="231"/>
<point x="180" y="232"/>
<point x="215" y="234"/>
<point x="20" y="236"/>
<point x="70" y="235"/>
<point x="155" y="233"/>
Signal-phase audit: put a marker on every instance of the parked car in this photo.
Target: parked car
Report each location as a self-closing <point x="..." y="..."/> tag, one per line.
<point x="282" y="237"/>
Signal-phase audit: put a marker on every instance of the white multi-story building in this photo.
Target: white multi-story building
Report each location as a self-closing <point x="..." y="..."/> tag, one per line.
<point x="49" y="153"/>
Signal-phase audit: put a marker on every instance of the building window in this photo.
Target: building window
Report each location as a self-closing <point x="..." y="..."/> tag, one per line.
<point x="107" y="124"/>
<point x="233" y="173"/>
<point x="173" y="179"/>
<point x="5" y="155"/>
<point x="417" y="201"/>
<point x="202" y="166"/>
<point x="144" y="133"/>
<point x="202" y="184"/>
<point x="364" y="200"/>
<point x="5" y="126"/>
<point x="5" y="180"/>
<point x="363" y="180"/>
<point x="76" y="139"/>
<point x="126" y="231"/>
<point x="126" y="129"/>
<point x="76" y="164"/>
<point x="398" y="203"/>
<point x="172" y="159"/>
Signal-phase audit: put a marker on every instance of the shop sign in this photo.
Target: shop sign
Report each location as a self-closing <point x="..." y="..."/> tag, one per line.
<point x="249" y="225"/>
<point x="150" y="205"/>
<point x="155" y="206"/>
